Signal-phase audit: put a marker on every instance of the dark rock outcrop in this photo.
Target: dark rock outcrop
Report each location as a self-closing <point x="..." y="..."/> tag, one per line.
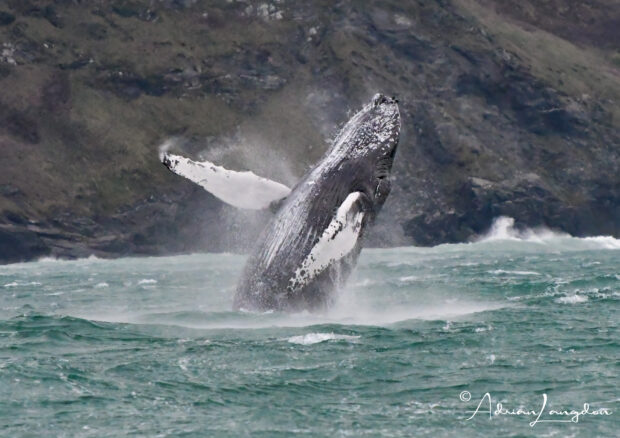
<point x="507" y="109"/>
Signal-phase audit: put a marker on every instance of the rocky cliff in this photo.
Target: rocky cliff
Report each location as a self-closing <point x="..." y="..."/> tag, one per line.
<point x="508" y="108"/>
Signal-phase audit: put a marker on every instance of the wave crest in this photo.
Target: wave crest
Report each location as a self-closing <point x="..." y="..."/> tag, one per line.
<point x="315" y="338"/>
<point x="503" y="229"/>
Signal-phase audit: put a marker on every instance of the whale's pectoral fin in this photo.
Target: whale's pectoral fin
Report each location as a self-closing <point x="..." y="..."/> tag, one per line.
<point x="240" y="189"/>
<point x="337" y="241"/>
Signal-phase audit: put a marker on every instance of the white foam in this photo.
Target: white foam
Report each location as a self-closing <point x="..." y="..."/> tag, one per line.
<point x="91" y="258"/>
<point x="502" y="271"/>
<point x="147" y="281"/>
<point x="607" y="242"/>
<point x="572" y="299"/>
<point x="503" y="229"/>
<point x="183" y="363"/>
<point x="315" y="338"/>
<point x="101" y="285"/>
<point x="18" y="284"/>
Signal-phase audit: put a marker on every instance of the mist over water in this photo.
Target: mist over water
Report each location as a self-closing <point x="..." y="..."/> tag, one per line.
<point x="149" y="346"/>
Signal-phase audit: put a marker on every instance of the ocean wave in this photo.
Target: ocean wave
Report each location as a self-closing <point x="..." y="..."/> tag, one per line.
<point x="315" y="338"/>
<point x="344" y="312"/>
<point x="503" y="229"/>
<point x="22" y="284"/>
<point x="146" y="281"/>
<point x="572" y="299"/>
<point x="90" y="258"/>
<point x="505" y="272"/>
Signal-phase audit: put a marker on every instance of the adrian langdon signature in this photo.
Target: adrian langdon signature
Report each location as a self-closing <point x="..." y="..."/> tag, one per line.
<point x="540" y="416"/>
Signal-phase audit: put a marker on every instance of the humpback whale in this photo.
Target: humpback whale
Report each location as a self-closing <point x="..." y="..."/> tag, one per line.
<point x="314" y="238"/>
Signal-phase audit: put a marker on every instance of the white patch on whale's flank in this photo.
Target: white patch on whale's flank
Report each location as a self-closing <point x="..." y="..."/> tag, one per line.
<point x="239" y="189"/>
<point x="338" y="240"/>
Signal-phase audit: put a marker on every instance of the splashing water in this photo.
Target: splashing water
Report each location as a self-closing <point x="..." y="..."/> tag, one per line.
<point x="503" y="229"/>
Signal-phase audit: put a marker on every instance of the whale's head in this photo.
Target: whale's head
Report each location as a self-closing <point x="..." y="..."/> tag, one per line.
<point x="366" y="146"/>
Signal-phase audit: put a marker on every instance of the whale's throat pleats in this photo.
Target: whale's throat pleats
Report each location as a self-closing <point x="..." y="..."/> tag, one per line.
<point x="239" y="189"/>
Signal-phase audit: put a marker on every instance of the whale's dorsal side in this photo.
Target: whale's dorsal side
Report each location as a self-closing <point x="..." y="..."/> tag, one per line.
<point x="239" y="189"/>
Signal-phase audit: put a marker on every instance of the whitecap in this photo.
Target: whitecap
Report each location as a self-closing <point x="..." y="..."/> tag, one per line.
<point x="465" y="264"/>
<point x="502" y="271"/>
<point x="147" y="281"/>
<point x="17" y="284"/>
<point x="183" y="363"/>
<point x="503" y="229"/>
<point x="315" y="338"/>
<point x="101" y="285"/>
<point x="48" y="259"/>
<point x="572" y="299"/>
<point x="606" y="242"/>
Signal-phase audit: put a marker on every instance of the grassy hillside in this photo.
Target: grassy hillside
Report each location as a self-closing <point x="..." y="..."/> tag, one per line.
<point x="507" y="109"/>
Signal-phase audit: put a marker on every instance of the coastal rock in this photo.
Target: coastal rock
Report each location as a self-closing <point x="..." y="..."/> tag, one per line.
<point x="504" y="113"/>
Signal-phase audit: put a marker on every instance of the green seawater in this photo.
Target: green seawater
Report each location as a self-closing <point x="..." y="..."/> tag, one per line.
<point x="150" y="347"/>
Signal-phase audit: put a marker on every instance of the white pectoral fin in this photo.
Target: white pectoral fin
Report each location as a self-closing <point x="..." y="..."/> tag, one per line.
<point x="338" y="240"/>
<point x="239" y="189"/>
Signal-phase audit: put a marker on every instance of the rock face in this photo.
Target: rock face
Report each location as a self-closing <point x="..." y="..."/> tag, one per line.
<point x="508" y="108"/>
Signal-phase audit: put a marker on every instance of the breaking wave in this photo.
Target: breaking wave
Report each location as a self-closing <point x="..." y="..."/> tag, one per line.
<point x="503" y="230"/>
<point x="316" y="338"/>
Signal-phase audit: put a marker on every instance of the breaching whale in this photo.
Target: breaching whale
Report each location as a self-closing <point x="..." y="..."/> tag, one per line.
<point x="314" y="238"/>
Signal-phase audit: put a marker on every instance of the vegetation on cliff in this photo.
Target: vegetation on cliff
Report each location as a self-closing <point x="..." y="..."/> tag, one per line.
<point x="508" y="109"/>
